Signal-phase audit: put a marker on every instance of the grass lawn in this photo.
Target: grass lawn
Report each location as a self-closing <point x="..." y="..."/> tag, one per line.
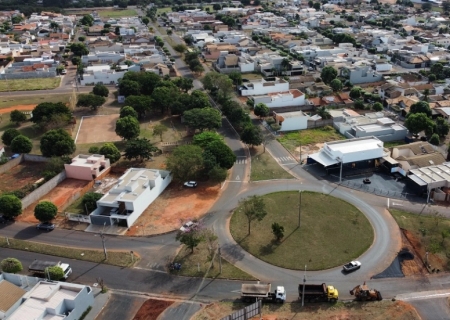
<point x="117" y="13"/>
<point x="430" y="233"/>
<point x="14" y="101"/>
<point x="162" y="10"/>
<point x="29" y="84"/>
<point x="35" y="136"/>
<point x="292" y="140"/>
<point x="265" y="167"/>
<point x="326" y="238"/>
<point x="76" y="207"/>
<point x="251" y="76"/>
<point x="116" y="258"/>
<point x="391" y="144"/>
<point x="192" y="262"/>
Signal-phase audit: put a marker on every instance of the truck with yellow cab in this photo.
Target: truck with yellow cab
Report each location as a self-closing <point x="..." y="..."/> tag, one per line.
<point x="318" y="293"/>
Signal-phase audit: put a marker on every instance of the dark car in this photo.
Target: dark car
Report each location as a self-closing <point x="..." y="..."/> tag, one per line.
<point x="5" y="219"/>
<point x="47" y="226"/>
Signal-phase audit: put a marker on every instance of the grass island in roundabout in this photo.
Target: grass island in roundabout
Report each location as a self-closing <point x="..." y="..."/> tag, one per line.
<point x="332" y="231"/>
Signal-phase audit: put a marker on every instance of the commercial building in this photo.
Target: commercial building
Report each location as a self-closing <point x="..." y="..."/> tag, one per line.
<point x="434" y="180"/>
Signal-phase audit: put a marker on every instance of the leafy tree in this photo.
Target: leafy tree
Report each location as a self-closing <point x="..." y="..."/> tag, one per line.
<point x="45" y="211"/>
<point x="190" y="238"/>
<point x="17" y="116"/>
<point x="100" y="90"/>
<point x="197" y="99"/>
<point x="159" y="130"/>
<point x="442" y="127"/>
<point x="180" y="48"/>
<point x="128" y="111"/>
<point x="224" y="155"/>
<point x="218" y="84"/>
<point x="359" y="104"/>
<point x="57" y="142"/>
<point x="90" y="101"/>
<point x="278" y="231"/>
<point x="217" y="6"/>
<point x="10" y="206"/>
<point x="355" y="92"/>
<point x="82" y="38"/>
<point x="145" y="20"/>
<point x="11" y="265"/>
<point x="76" y="61"/>
<point x="203" y="139"/>
<point x="324" y="113"/>
<point x="251" y="135"/>
<point x="426" y="6"/>
<point x="420" y="107"/>
<point x="377" y="106"/>
<point x="128" y="128"/>
<point x="201" y="119"/>
<point x="417" y="122"/>
<point x="79" y="49"/>
<point x="217" y="174"/>
<point x="122" y="4"/>
<point x="110" y="151"/>
<point x="89" y="201"/>
<point x="54" y="273"/>
<point x="236" y="77"/>
<point x="434" y="140"/>
<point x="164" y="97"/>
<point x="21" y="144"/>
<point x="185" y="162"/>
<point x="310" y="3"/>
<point x="129" y="87"/>
<point x="316" y="6"/>
<point x="9" y="135"/>
<point x="44" y="112"/>
<point x="87" y="20"/>
<point x="139" y="148"/>
<point x="94" y="149"/>
<point x="431" y="77"/>
<point x="142" y="104"/>
<point x="185" y="84"/>
<point x="147" y="81"/>
<point x="254" y="209"/>
<point x="261" y="110"/>
<point x="336" y="85"/>
<point x="328" y="74"/>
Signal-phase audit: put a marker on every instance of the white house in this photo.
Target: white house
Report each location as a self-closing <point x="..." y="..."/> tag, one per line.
<point x="100" y="74"/>
<point x="103" y="57"/>
<point x="86" y="167"/>
<point x="262" y="87"/>
<point x="291" y="98"/>
<point x="135" y="190"/>
<point x="290" y="121"/>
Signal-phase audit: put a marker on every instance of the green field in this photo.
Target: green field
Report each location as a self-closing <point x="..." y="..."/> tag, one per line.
<point x="117" y="13"/>
<point x="6" y="101"/>
<point x="332" y="231"/>
<point x="264" y="167"/>
<point x="29" y="84"/>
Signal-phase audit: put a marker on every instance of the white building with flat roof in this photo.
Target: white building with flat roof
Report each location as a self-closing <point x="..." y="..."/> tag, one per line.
<point x="86" y="167"/>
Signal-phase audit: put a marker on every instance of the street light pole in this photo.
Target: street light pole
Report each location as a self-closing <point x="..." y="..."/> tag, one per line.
<point x="299" y="206"/>
<point x="304" y="284"/>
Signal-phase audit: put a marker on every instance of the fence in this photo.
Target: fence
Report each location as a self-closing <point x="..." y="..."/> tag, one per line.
<point x="11" y="164"/>
<point x="43" y="190"/>
<point x="247" y="313"/>
<point x="319" y="123"/>
<point x="77" y="217"/>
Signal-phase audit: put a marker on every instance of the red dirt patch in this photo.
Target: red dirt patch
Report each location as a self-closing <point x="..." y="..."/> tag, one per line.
<point x="58" y="195"/>
<point x="415" y="266"/>
<point x="20" y="107"/>
<point x="151" y="309"/>
<point x="95" y="129"/>
<point x="21" y="175"/>
<point x="173" y="207"/>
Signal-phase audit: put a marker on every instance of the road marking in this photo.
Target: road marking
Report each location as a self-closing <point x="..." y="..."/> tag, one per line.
<point x="237" y="178"/>
<point x="286" y="160"/>
<point x="423" y="295"/>
<point x="241" y="161"/>
<point x="236" y="291"/>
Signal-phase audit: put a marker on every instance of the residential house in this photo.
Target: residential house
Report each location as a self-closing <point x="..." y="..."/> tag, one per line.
<point x="11" y="297"/>
<point x="212" y="51"/>
<point x="100" y="74"/>
<point x="444" y="112"/>
<point x="86" y="167"/>
<point x="135" y="190"/>
<point x="102" y="57"/>
<point x="263" y="87"/>
<point x="291" y="121"/>
<point x="358" y="74"/>
<point x="291" y="98"/>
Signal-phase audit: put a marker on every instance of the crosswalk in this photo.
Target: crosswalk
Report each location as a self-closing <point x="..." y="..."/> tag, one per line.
<point x="242" y="160"/>
<point x="286" y="160"/>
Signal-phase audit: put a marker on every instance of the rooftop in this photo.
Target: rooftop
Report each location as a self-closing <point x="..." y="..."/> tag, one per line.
<point x="9" y="295"/>
<point x="361" y="145"/>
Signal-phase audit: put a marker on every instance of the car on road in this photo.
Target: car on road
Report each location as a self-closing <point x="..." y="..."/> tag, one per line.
<point x="352" y="266"/>
<point x="188" y="225"/>
<point x="190" y="184"/>
<point x="5" y="219"/>
<point x="47" y="226"/>
<point x="63" y="71"/>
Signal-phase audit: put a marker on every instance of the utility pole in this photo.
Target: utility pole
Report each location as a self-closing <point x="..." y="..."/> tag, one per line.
<point x="304" y="284"/>
<point x="220" y="261"/>
<point x="104" y="246"/>
<point x="299" y="206"/>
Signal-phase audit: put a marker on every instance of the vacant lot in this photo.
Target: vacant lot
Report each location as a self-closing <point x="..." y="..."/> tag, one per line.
<point x="29" y="84"/>
<point x="95" y="129"/>
<point x="117" y="13"/>
<point x="6" y="101"/>
<point x="325" y="239"/>
<point x="21" y="175"/>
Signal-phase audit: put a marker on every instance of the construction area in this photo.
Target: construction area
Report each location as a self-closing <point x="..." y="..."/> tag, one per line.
<point x="95" y="129"/>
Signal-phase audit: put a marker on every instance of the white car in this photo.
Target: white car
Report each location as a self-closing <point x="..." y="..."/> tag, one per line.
<point x="185" y="227"/>
<point x="352" y="266"/>
<point x="190" y="184"/>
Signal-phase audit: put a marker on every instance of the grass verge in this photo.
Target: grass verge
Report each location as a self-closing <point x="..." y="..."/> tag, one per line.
<point x="29" y="84"/>
<point x="117" y="13"/>
<point x="198" y="264"/>
<point x="77" y="207"/>
<point x="115" y="258"/>
<point x="326" y="238"/>
<point x="265" y="167"/>
<point x="427" y="233"/>
<point x="6" y="102"/>
<point x="391" y="144"/>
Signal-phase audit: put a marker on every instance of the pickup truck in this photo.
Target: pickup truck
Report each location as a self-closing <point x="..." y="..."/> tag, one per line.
<point x="39" y="266"/>
<point x="352" y="266"/>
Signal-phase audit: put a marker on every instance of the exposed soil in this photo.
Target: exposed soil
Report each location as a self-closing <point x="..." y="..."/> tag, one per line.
<point x="151" y="309"/>
<point x="20" y="107"/>
<point x="415" y="266"/>
<point x="98" y="129"/>
<point x="174" y="207"/>
<point x="379" y="310"/>
<point x="21" y="175"/>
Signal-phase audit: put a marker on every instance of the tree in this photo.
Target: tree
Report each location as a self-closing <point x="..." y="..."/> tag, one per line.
<point x="417" y="122"/>
<point x="21" y="144"/>
<point x="310" y="3"/>
<point x="44" y="112"/>
<point x="224" y="155"/>
<point x="236" y="77"/>
<point x="377" y="106"/>
<point x="139" y="148"/>
<point x="90" y="101"/>
<point x="123" y="4"/>
<point x="217" y="7"/>
<point x="87" y="20"/>
<point x="129" y="87"/>
<point x="218" y="84"/>
<point x="10" y="206"/>
<point x="54" y="273"/>
<point x="278" y="231"/>
<point x="201" y="119"/>
<point x="203" y="139"/>
<point x="261" y="110"/>
<point x="426" y="6"/>
<point x="128" y="128"/>
<point x="164" y="97"/>
<point x="145" y="20"/>
<point x="45" y="211"/>
<point x="9" y="135"/>
<point x="89" y="201"/>
<point x="94" y="149"/>
<point x="359" y="104"/>
<point x="251" y="135"/>
<point x="185" y="162"/>
<point x="57" y="142"/>
<point x="79" y="49"/>
<point x="141" y="104"/>
<point x="217" y="174"/>
<point x="336" y="85"/>
<point x="442" y="127"/>
<point x="254" y="208"/>
<point x="446" y="5"/>
<point x="76" y="61"/>
<point x="159" y="130"/>
<point x="434" y="140"/>
<point x="316" y="6"/>
<point x="128" y="111"/>
<point x="324" y="113"/>
<point x="185" y="84"/>
<point x="431" y="77"/>
<point x="180" y="48"/>
<point x="82" y="38"/>
<point x="100" y="90"/>
<point x="355" y="92"/>
<point x="420" y="107"/>
<point x="190" y="238"/>
<point x="328" y="74"/>
<point x="110" y="151"/>
<point x="11" y="265"/>
<point x="17" y="116"/>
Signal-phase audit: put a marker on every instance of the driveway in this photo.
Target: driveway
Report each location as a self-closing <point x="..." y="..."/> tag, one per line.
<point x="121" y="307"/>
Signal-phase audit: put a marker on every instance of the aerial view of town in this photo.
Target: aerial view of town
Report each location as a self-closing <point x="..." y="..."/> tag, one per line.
<point x="234" y="160"/>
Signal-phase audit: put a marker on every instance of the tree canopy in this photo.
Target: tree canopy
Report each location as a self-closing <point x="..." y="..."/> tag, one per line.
<point x="57" y="142"/>
<point x="336" y="85"/>
<point x="142" y="104"/>
<point x="128" y="128"/>
<point x="110" y="151"/>
<point x="185" y="162"/>
<point x="44" y="112"/>
<point x="420" y="107"/>
<point x="203" y="139"/>
<point x="17" y="116"/>
<point x="261" y="110"/>
<point x="79" y="49"/>
<point x="224" y="155"/>
<point x="54" y="273"/>
<point x="328" y="74"/>
<point x="89" y="201"/>
<point x="254" y="209"/>
<point x="417" y="122"/>
<point x="9" y="135"/>
<point x="220" y="85"/>
<point x="128" y="111"/>
<point x="201" y="119"/>
<point x="159" y="130"/>
<point x="100" y="90"/>
<point x="129" y="87"/>
<point x="10" y="205"/>
<point x="45" y="211"/>
<point x="21" y="144"/>
<point x="251" y="135"/>
<point x="139" y="149"/>
<point x="90" y="100"/>
<point x="11" y="265"/>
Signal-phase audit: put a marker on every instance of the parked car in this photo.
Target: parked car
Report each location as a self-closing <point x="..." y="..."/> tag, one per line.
<point x="190" y="184"/>
<point x="63" y="71"/>
<point x="47" y="226"/>
<point x="5" y="219"/>
<point x="185" y="227"/>
<point x="352" y="266"/>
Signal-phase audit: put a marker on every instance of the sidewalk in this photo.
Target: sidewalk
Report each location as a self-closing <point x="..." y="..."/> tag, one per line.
<point x="100" y="302"/>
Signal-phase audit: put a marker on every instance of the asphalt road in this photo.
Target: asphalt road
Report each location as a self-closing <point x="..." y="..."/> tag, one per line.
<point x="434" y="309"/>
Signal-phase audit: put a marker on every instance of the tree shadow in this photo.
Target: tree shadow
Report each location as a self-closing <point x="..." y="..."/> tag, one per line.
<point x="269" y="248"/>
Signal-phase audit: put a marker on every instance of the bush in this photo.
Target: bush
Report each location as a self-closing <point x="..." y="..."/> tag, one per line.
<point x="11" y="265"/>
<point x="275" y="126"/>
<point x="89" y="201"/>
<point x="270" y="121"/>
<point x="54" y="273"/>
<point x="94" y="150"/>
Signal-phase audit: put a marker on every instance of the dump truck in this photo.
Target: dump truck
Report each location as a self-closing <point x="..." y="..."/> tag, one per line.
<point x="38" y="267"/>
<point x="262" y="291"/>
<point x="318" y="293"/>
<point x="363" y="293"/>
